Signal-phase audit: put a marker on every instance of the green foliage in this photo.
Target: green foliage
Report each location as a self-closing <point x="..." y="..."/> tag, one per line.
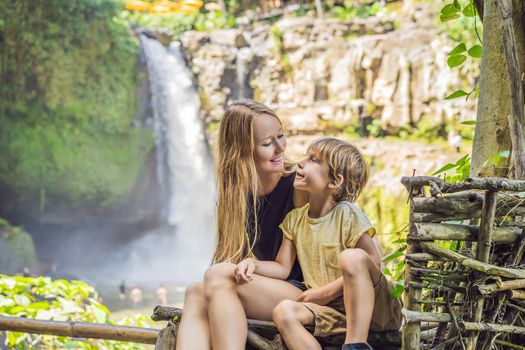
<point x="350" y="10"/>
<point x="59" y="300"/>
<point x="180" y="22"/>
<point x="457" y="171"/>
<point x="284" y="60"/>
<point x="67" y="101"/>
<point x="389" y="218"/>
<point x="375" y="128"/>
<point x="463" y="27"/>
<point x="396" y="264"/>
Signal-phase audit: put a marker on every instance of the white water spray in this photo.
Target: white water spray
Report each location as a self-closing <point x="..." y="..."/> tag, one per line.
<point x="185" y="166"/>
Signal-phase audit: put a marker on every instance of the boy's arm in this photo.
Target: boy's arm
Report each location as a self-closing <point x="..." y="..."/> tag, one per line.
<point x="323" y="295"/>
<point x="280" y="268"/>
<point x="367" y="243"/>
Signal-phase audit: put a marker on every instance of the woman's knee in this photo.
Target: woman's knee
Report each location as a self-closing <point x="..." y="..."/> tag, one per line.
<point x="353" y="261"/>
<point x="218" y="276"/>
<point x="194" y="292"/>
<point x="286" y="313"/>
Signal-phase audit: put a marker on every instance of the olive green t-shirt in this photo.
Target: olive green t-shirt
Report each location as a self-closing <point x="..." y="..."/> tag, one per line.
<point x="318" y="241"/>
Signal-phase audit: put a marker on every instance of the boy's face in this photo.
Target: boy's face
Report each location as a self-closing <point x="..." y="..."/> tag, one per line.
<point x="312" y="175"/>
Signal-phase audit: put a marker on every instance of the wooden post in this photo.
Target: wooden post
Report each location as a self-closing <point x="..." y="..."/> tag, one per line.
<point x="411" y="334"/>
<point x="483" y="252"/>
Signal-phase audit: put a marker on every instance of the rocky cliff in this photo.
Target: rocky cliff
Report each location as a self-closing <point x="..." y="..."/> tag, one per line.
<point x="325" y="73"/>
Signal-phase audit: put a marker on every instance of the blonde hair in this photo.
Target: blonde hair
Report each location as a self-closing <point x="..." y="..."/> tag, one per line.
<point x="238" y="182"/>
<point x="343" y="159"/>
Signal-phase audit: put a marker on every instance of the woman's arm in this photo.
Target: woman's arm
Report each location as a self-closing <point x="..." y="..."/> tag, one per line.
<point x="279" y="269"/>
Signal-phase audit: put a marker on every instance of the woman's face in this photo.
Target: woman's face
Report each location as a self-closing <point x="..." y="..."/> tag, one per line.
<point x="270" y="144"/>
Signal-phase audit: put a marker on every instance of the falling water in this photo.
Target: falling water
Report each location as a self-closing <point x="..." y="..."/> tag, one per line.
<point x="243" y="60"/>
<point x="185" y="169"/>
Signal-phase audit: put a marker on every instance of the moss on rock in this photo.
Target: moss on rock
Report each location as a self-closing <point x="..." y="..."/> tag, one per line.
<point x="68" y="79"/>
<point x="17" y="250"/>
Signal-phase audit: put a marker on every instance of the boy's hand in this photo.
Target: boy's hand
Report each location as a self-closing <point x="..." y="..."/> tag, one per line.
<point x="244" y="271"/>
<point x="317" y="296"/>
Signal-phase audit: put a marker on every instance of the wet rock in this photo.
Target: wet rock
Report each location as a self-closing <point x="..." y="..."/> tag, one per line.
<point x="17" y="251"/>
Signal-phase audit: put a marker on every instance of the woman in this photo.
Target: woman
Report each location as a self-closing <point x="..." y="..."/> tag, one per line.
<point x="256" y="192"/>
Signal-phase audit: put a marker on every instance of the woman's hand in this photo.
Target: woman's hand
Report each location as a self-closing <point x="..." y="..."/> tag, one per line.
<point x="319" y="296"/>
<point x="244" y="271"/>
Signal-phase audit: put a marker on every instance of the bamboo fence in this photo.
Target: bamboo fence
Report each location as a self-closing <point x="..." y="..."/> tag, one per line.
<point x="465" y="272"/>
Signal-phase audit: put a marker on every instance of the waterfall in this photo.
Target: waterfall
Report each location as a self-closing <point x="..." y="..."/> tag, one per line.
<point x="243" y="60"/>
<point x="184" y="170"/>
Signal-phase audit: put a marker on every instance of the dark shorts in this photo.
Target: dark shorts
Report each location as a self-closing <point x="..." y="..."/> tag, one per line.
<point x="298" y="284"/>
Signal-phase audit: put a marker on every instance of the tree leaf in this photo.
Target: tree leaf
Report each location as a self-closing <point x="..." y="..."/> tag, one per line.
<point x="392" y="256"/>
<point x="459" y="49"/>
<point x="469" y="10"/>
<point x="475" y="51"/>
<point x="462" y="160"/>
<point x="469" y="122"/>
<point x="449" y="12"/>
<point x="397" y="291"/>
<point x="445" y="168"/>
<point x="454" y="61"/>
<point x="21" y="299"/>
<point x="456" y="94"/>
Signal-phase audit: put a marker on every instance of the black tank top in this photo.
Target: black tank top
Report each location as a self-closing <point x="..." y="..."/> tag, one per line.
<point x="271" y="211"/>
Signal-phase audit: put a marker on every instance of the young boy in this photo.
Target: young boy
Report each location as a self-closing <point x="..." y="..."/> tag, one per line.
<point x="333" y="241"/>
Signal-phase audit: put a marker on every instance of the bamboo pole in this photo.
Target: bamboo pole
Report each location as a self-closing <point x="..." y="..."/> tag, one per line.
<point x="517" y="294"/>
<point x="80" y="329"/>
<point x="491" y="327"/>
<point x="424" y="257"/>
<point x="471" y="183"/>
<point x="509" y="345"/>
<point x="463" y="206"/>
<point x="416" y="316"/>
<point x="436" y="286"/>
<point x="437" y="302"/>
<point x="411" y="337"/>
<point x="500" y="286"/>
<point x="457" y="232"/>
<point x="471" y="263"/>
<point x="482" y="254"/>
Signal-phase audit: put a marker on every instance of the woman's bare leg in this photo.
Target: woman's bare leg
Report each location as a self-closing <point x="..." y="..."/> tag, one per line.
<point x="290" y="317"/>
<point x="194" y="328"/>
<point x="360" y="274"/>
<point x="229" y="303"/>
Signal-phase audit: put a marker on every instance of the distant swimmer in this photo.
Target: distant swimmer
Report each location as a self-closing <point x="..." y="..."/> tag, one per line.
<point x="122" y="290"/>
<point x="162" y="295"/>
<point x="135" y="295"/>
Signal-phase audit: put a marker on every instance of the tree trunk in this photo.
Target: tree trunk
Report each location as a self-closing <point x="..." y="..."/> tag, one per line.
<point x="494" y="104"/>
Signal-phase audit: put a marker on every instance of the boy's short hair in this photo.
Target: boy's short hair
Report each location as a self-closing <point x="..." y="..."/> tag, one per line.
<point x="344" y="159"/>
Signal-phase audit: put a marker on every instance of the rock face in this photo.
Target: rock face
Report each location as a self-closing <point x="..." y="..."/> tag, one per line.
<point x="17" y="251"/>
<point x="325" y="73"/>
